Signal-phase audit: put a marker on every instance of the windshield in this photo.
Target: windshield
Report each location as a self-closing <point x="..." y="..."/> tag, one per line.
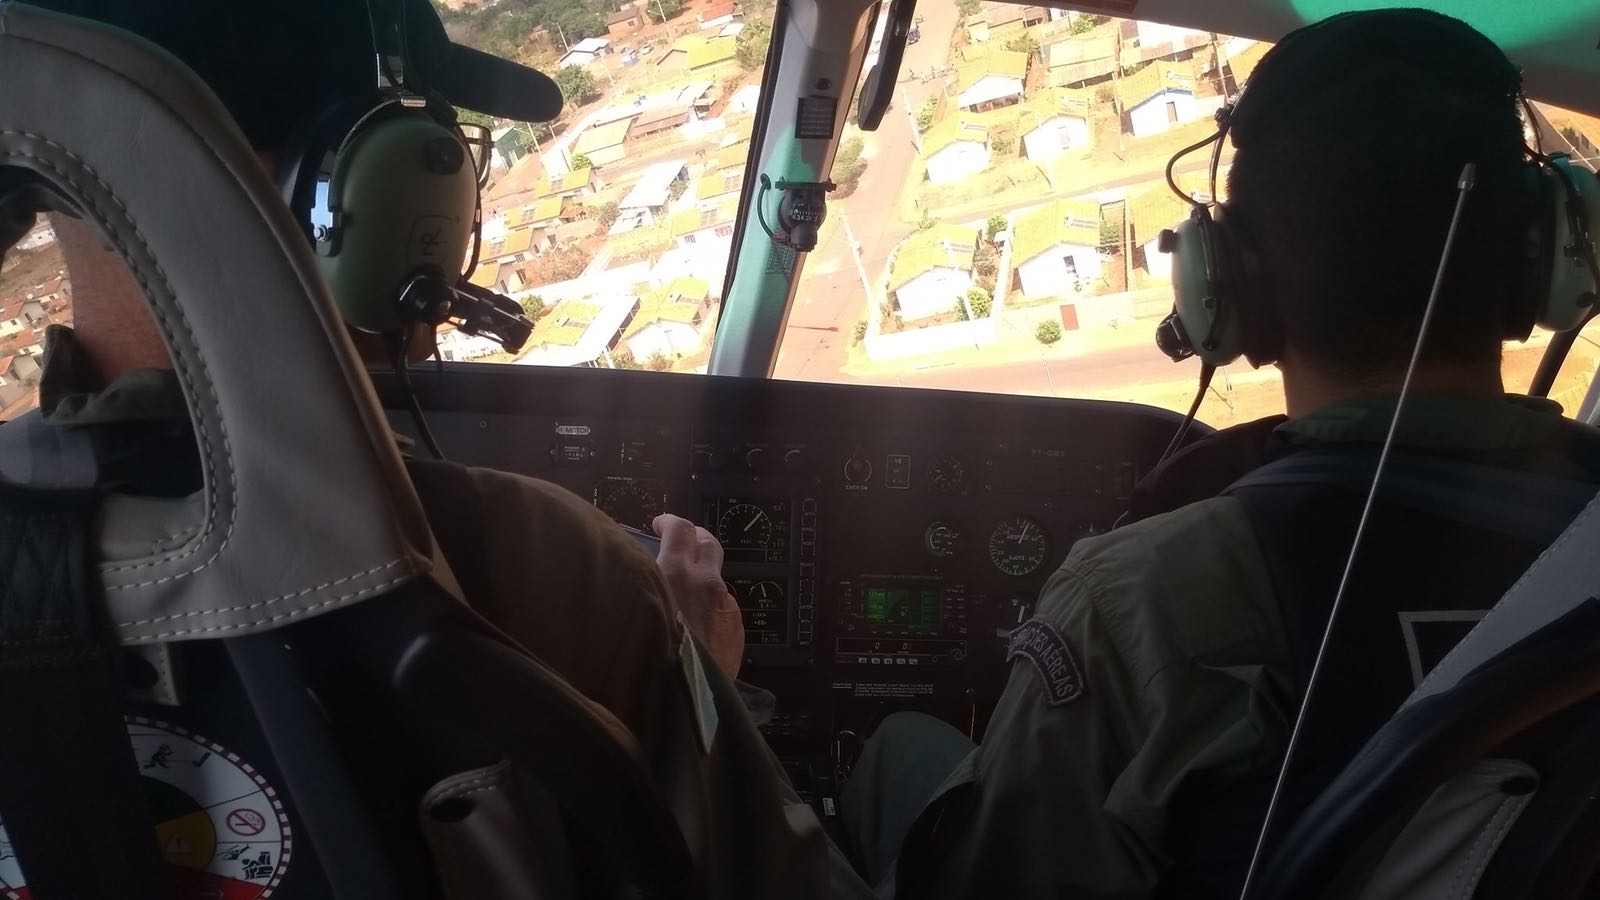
<point x="612" y="226"/>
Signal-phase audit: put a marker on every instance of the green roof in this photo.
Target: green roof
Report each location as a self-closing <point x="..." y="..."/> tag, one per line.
<point x="545" y="210"/>
<point x="1151" y="80"/>
<point x="565" y="324"/>
<point x="1052" y="102"/>
<point x="560" y="184"/>
<point x="1058" y="222"/>
<point x="941" y="245"/>
<point x="723" y="211"/>
<point x="706" y="51"/>
<point x="732" y="155"/>
<point x="681" y="301"/>
<point x="951" y="130"/>
<point x="1154" y="209"/>
<point x="1009" y="63"/>
<point x="599" y="137"/>
<point x="1245" y="61"/>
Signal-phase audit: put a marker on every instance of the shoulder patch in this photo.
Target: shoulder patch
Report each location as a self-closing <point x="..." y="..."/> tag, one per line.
<point x="1039" y="642"/>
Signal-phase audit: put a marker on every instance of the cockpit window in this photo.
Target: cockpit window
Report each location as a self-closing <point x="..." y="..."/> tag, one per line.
<point x="998" y="232"/>
<point x="612" y="226"/>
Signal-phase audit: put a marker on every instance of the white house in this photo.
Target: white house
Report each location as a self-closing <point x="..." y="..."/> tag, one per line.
<point x="932" y="270"/>
<point x="1160" y="96"/>
<point x="20" y="314"/>
<point x="1055" y="250"/>
<point x="993" y="79"/>
<point x="1055" y="121"/>
<point x="670" y="322"/>
<point x="955" y="149"/>
<point x="647" y="202"/>
<point x="1149" y="213"/>
<point x="584" y="52"/>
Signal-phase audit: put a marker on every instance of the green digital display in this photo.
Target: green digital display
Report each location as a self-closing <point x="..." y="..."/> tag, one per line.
<point x="912" y="608"/>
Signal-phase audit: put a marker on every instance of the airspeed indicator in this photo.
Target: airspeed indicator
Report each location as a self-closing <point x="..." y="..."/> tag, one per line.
<point x="1018" y="546"/>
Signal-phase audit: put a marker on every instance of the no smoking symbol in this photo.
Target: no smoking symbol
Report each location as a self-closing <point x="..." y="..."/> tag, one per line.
<point x="247" y="822"/>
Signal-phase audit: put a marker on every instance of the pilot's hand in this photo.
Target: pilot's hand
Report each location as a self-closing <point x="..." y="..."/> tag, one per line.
<point x="691" y="559"/>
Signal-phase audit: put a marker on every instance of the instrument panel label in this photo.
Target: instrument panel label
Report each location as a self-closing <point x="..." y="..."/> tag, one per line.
<point x="1063" y="680"/>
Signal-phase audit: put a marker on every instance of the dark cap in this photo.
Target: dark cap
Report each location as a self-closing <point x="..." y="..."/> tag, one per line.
<point x="277" y="64"/>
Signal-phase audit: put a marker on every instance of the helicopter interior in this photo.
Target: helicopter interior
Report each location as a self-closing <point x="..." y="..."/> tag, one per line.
<point x="882" y="541"/>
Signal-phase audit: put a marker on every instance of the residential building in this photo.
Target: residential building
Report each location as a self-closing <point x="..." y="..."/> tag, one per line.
<point x="1083" y="59"/>
<point x="670" y="322"/>
<point x="574" y="232"/>
<point x="486" y="275"/>
<point x="1143" y="41"/>
<point x="715" y="184"/>
<point x="718" y="15"/>
<point x="1003" y="21"/>
<point x="517" y="247"/>
<point x="1158" y="97"/>
<point x="991" y="80"/>
<point x="707" y="223"/>
<point x="659" y="121"/>
<point x="20" y="314"/>
<point x="1243" y="61"/>
<point x="1054" y="121"/>
<point x="698" y="53"/>
<point x="604" y="144"/>
<point x="455" y="345"/>
<point x="576" y="183"/>
<point x="1155" y="209"/>
<point x="625" y="21"/>
<point x="647" y="202"/>
<point x="42" y="235"/>
<point x="932" y="270"/>
<point x="13" y="387"/>
<point x="543" y="215"/>
<point x="584" y="52"/>
<point x="954" y="149"/>
<point x="580" y="332"/>
<point x="1055" y="250"/>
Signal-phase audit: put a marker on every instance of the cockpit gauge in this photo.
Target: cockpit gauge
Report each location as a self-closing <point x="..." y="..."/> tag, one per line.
<point x="1013" y="611"/>
<point x="946" y="474"/>
<point x="944" y="539"/>
<point x="1018" y="546"/>
<point x="744" y="526"/>
<point x="634" y="502"/>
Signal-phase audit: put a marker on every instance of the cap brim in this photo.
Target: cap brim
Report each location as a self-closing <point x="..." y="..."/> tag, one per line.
<point x="493" y="86"/>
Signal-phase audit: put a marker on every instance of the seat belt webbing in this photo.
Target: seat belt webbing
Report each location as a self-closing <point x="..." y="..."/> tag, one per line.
<point x="71" y="797"/>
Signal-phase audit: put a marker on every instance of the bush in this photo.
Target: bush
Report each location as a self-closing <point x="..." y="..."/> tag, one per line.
<point x="927" y="221"/>
<point x="1023" y="43"/>
<point x="1048" y="332"/>
<point x="581" y="161"/>
<point x="1085" y="23"/>
<point x="577" y="85"/>
<point x="1003" y="144"/>
<point x="926" y="113"/>
<point x="606" y="213"/>
<point x="986" y="262"/>
<point x="860" y="331"/>
<point x="968" y="7"/>
<point x="622" y="358"/>
<point x="658" y="362"/>
<point x="996" y="224"/>
<point x="1110" y="235"/>
<point x="980" y="302"/>
<point x="533" y="307"/>
<point x="1103" y="95"/>
<point x="847" y="163"/>
<point x="750" y="47"/>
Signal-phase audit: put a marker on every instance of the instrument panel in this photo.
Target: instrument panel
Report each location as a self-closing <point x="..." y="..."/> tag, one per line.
<point x="881" y="542"/>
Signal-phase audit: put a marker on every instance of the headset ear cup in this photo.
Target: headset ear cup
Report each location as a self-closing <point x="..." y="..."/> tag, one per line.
<point x="1566" y="284"/>
<point x="1203" y="273"/>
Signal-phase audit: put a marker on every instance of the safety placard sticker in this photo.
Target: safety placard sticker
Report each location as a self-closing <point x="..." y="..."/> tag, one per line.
<point x="222" y="828"/>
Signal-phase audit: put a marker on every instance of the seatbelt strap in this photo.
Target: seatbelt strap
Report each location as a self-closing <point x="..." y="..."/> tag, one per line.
<point x="71" y="798"/>
<point x="1563" y="578"/>
<point x="1523" y="505"/>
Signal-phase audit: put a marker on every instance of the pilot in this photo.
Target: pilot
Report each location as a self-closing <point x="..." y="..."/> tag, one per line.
<point x="545" y="567"/>
<point x="1159" y="659"/>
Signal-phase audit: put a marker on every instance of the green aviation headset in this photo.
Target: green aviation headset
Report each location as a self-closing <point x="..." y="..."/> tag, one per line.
<point x="387" y="188"/>
<point x="1219" y="311"/>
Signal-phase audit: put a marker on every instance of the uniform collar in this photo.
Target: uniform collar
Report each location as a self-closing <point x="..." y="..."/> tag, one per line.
<point x="1433" y="422"/>
<point x="140" y="395"/>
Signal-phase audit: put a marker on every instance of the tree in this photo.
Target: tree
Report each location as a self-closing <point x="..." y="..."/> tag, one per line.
<point x="1003" y="143"/>
<point x="986" y="262"/>
<point x="622" y="358"/>
<point x="658" y="362"/>
<point x="469" y="117"/>
<point x="925" y="115"/>
<point x="1085" y="23"/>
<point x="860" y="330"/>
<point x="980" y="302"/>
<point x="968" y="7"/>
<point x="577" y="85"/>
<point x="661" y="10"/>
<point x="1110" y="236"/>
<point x="996" y="224"/>
<point x="606" y="213"/>
<point x="581" y="161"/>
<point x="676" y="188"/>
<point x="750" y="47"/>
<point x="847" y="163"/>
<point x="533" y="307"/>
<point x="1023" y="43"/>
<point x="1048" y="332"/>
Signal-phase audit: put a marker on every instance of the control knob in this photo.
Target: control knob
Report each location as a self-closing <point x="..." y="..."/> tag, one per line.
<point x="858" y="469"/>
<point x="755" y="458"/>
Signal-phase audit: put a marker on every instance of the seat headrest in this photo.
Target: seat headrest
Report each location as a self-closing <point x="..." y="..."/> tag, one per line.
<point x="306" y="505"/>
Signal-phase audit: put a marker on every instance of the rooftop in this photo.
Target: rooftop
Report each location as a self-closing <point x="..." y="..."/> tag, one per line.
<point x="561" y="184"/>
<point x="712" y="51"/>
<point x="681" y="301"/>
<point x="1074" y="222"/>
<point x="724" y="211"/>
<point x="1052" y="102"/>
<point x="575" y="231"/>
<point x="486" y="274"/>
<point x="1153" y="79"/>
<point x="1154" y="209"/>
<point x="516" y="242"/>
<point x="1005" y="63"/>
<point x="578" y="332"/>
<point x="951" y="130"/>
<point x="543" y="211"/>
<point x="731" y="155"/>
<point x="599" y="137"/>
<point x="942" y="246"/>
<point x="592" y="45"/>
<point x="1245" y="61"/>
<point x="654" y="187"/>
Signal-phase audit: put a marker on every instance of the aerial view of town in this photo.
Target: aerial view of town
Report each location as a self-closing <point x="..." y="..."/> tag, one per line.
<point x="996" y="233"/>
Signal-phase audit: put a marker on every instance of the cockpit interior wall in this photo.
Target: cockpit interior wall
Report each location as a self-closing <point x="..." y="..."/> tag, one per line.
<point x="882" y="542"/>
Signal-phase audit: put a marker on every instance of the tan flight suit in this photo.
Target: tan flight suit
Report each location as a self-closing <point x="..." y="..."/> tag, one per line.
<point x="559" y="577"/>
